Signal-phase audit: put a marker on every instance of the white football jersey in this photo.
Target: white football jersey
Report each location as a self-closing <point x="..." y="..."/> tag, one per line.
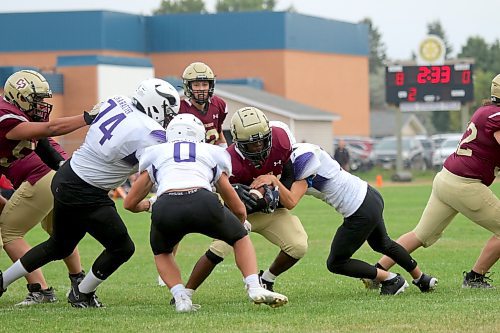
<point x="114" y="142"/>
<point x="327" y="180"/>
<point x="283" y="126"/>
<point x="181" y="165"/>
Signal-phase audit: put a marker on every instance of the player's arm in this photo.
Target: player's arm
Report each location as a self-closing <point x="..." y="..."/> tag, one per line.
<point x="230" y="197"/>
<point x="134" y="200"/>
<point x="221" y="141"/>
<point x="60" y="126"/>
<point x="38" y="130"/>
<point x="48" y="154"/>
<point x="497" y="136"/>
<point x="288" y="198"/>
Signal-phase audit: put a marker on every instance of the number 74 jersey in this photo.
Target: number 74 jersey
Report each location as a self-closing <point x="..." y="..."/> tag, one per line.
<point x="114" y="142"/>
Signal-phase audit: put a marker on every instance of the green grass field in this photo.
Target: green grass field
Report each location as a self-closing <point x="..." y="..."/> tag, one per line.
<point x="318" y="300"/>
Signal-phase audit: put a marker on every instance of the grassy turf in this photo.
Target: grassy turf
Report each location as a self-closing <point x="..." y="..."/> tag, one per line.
<point x="319" y="301"/>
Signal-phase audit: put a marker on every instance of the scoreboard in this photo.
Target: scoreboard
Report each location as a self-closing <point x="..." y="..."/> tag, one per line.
<point x="420" y="84"/>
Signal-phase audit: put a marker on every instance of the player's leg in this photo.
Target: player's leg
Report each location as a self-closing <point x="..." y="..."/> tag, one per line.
<point x="25" y="209"/>
<point x="285" y="231"/>
<point x="435" y="218"/>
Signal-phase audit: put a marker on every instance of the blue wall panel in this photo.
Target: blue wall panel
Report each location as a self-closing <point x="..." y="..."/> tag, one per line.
<point x="216" y="32"/>
<point x="105" y="30"/>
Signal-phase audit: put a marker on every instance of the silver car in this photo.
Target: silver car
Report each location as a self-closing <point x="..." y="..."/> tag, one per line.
<point x="446" y="148"/>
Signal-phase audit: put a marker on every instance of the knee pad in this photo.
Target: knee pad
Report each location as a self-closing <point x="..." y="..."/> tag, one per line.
<point x="297" y="250"/>
<point x="215" y="259"/>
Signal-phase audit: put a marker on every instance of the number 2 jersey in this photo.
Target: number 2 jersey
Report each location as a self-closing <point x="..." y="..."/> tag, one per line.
<point x="114" y="142"/>
<point x="478" y="153"/>
<point x="327" y="180"/>
<point x="212" y="118"/>
<point x="182" y="165"/>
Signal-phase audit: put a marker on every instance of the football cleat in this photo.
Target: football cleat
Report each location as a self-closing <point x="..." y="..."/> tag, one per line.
<point x="472" y="280"/>
<point x="426" y="283"/>
<point x="37" y="295"/>
<point x="371" y="284"/>
<point x="75" y="280"/>
<point x="78" y="299"/>
<point x="183" y="303"/>
<point x="394" y="286"/>
<point x="189" y="292"/>
<point x="264" y="283"/>
<point x="260" y="295"/>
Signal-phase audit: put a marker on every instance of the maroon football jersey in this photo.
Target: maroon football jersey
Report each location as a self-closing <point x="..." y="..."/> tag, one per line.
<point x="11" y="150"/>
<point x="478" y="153"/>
<point x="244" y="171"/>
<point x="212" y="119"/>
<point x="31" y="168"/>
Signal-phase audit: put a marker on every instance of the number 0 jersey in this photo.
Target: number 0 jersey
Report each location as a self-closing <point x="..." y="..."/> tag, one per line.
<point x="182" y="165"/>
<point x="478" y="153"/>
<point x="114" y="142"/>
<point x="327" y="180"/>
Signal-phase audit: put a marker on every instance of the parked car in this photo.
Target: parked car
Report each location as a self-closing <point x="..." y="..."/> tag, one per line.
<point x="385" y="151"/>
<point x="360" y="148"/>
<point x="438" y="139"/>
<point x="447" y="147"/>
<point x="429" y="148"/>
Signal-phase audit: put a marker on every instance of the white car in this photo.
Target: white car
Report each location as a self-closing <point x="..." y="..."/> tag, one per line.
<point x="447" y="147"/>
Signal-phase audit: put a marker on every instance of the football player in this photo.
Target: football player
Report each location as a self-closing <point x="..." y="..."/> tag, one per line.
<point x="24" y="127"/>
<point x="362" y="208"/>
<point x="198" y="81"/>
<point x="260" y="148"/>
<point x="32" y="203"/>
<point x="109" y="154"/>
<point x="185" y="168"/>
<point x="462" y="186"/>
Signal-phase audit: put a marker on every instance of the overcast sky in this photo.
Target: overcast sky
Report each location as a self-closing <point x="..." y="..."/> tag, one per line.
<point x="403" y="24"/>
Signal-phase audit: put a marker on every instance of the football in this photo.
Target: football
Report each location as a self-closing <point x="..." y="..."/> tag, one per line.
<point x="257" y="193"/>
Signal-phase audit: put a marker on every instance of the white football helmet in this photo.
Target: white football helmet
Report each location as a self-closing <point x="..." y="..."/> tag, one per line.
<point x="158" y="99"/>
<point x="186" y="127"/>
<point x="27" y="89"/>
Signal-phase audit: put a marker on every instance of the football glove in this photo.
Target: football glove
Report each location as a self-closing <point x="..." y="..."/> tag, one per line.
<point x="272" y="198"/>
<point x="89" y="116"/>
<point x="243" y="192"/>
<point x="248" y="226"/>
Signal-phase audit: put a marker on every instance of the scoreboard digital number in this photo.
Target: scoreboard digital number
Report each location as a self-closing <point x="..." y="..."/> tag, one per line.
<point x="444" y="83"/>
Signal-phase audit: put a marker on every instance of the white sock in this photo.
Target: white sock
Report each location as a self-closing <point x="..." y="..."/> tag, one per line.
<point x="391" y="276"/>
<point x="252" y="281"/>
<point x="416" y="280"/>
<point x="268" y="276"/>
<point x="13" y="273"/>
<point x="177" y="290"/>
<point x="89" y="283"/>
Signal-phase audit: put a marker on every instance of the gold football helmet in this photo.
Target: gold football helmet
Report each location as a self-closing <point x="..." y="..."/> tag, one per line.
<point x="249" y="127"/>
<point x="495" y="90"/>
<point x="198" y="71"/>
<point x="27" y="89"/>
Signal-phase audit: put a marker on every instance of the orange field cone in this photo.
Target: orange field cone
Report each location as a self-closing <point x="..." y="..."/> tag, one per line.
<point x="379" y="181"/>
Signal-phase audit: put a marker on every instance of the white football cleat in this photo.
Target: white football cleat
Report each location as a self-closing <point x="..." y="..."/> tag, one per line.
<point x="260" y="295"/>
<point x="183" y="303"/>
